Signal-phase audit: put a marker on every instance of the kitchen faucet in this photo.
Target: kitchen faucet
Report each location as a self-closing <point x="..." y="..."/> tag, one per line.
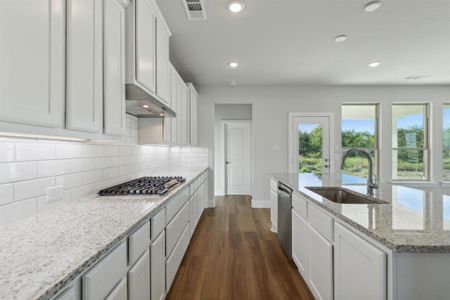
<point x="370" y="184"/>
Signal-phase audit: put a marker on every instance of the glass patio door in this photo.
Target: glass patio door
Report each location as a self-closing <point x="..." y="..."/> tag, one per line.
<point x="312" y="148"/>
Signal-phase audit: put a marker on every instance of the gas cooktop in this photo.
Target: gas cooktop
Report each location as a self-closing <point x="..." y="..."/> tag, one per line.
<point x="144" y="186"/>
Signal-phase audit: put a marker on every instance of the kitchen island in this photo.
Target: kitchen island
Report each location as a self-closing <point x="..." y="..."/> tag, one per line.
<point x="396" y="250"/>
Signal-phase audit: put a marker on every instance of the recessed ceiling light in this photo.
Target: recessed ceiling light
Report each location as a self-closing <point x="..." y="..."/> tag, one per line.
<point x="235" y="6"/>
<point x="340" y="38"/>
<point x="372" y="6"/>
<point x="374" y="64"/>
<point x="233" y="64"/>
<point x="145" y="106"/>
<point x="162" y="115"/>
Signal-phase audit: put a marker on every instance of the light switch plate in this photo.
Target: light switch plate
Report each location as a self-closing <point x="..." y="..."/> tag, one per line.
<point x="55" y="193"/>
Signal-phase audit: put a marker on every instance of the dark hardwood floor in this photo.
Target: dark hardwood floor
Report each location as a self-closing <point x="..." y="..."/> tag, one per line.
<point x="234" y="255"/>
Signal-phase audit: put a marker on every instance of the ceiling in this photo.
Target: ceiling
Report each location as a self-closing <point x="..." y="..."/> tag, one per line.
<point x="290" y="42"/>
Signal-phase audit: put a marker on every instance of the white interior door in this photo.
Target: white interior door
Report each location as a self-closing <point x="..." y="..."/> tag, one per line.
<point x="237" y="158"/>
<point x="310" y="153"/>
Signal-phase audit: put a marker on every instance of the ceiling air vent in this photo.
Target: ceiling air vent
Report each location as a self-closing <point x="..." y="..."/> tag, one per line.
<point x="195" y="9"/>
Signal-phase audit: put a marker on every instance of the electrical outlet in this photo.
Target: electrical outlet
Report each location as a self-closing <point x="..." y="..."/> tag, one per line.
<point x="55" y="193"/>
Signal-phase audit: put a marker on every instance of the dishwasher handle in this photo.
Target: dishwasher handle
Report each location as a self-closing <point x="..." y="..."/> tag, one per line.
<point x="283" y="188"/>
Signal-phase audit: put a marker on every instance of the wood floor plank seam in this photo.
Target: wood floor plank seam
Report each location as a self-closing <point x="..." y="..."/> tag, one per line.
<point x="233" y="255"/>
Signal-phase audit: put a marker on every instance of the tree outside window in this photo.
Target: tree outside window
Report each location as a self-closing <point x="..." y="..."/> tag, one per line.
<point x="410" y="141"/>
<point x="446" y="142"/>
<point x="359" y="130"/>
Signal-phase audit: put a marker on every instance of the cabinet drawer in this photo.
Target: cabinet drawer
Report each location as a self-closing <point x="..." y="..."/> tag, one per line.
<point x="138" y="242"/>
<point x="175" y="228"/>
<point x="322" y="222"/>
<point x="119" y="292"/>
<point x="300" y="205"/>
<point x="273" y="184"/>
<point x="174" y="261"/>
<point x="176" y="204"/>
<point x="101" y="279"/>
<point x="158" y="223"/>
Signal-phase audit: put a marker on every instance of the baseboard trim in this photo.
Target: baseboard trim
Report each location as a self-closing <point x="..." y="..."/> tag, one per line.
<point x="261" y="204"/>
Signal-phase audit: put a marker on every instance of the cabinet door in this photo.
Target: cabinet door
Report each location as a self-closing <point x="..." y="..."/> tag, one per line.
<point x="162" y="61"/>
<point x="139" y="279"/>
<point x="114" y="66"/>
<point x="31" y="80"/>
<point x="181" y="117"/>
<point x="299" y="243"/>
<point x="119" y="292"/>
<point x="359" y="268"/>
<point x="194" y="117"/>
<point x="173" y="104"/>
<point x="320" y="265"/>
<point x="145" y="55"/>
<point x="158" y="268"/>
<point x="85" y="65"/>
<point x="274" y="209"/>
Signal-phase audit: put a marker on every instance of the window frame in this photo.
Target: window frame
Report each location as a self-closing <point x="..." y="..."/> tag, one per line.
<point x="443" y="107"/>
<point x="426" y="141"/>
<point x="377" y="139"/>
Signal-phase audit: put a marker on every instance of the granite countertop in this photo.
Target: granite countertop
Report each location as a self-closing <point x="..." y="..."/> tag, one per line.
<point x="415" y="220"/>
<point x="40" y="254"/>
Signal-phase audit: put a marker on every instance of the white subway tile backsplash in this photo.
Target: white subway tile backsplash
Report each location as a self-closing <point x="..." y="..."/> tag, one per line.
<point x="32" y="188"/>
<point x="34" y="151"/>
<point x="17" y="210"/>
<point x="10" y="172"/>
<point x="7" y="151"/>
<point x="82" y="164"/>
<point x="53" y="167"/>
<point x="6" y="193"/>
<point x="70" y="181"/>
<point x="28" y="167"/>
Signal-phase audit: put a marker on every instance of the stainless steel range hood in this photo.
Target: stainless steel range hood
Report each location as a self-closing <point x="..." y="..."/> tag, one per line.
<point x="143" y="105"/>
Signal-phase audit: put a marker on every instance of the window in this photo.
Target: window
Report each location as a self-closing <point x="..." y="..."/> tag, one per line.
<point x="359" y="130"/>
<point x="446" y="141"/>
<point x="410" y="141"/>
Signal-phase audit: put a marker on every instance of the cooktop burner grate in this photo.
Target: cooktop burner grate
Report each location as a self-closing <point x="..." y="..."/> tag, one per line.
<point x="144" y="186"/>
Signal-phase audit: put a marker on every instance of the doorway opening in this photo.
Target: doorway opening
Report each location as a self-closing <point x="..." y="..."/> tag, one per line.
<point x="310" y="143"/>
<point x="233" y="149"/>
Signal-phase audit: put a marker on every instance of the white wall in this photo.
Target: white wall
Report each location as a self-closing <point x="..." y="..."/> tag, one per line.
<point x="271" y="106"/>
<point x="29" y="166"/>
<point x="225" y="112"/>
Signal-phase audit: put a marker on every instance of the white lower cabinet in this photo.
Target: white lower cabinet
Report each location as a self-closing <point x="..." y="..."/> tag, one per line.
<point x="158" y="268"/>
<point x="120" y="291"/>
<point x="335" y="262"/>
<point x="139" y="279"/>
<point x="320" y="265"/>
<point x="103" y="277"/>
<point x="174" y="260"/>
<point x="360" y="268"/>
<point x="299" y="243"/>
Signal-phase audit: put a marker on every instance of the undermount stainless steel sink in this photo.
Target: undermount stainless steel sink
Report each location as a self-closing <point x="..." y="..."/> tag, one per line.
<point x="345" y="196"/>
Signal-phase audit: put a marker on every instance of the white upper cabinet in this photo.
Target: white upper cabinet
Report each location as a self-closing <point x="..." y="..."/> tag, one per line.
<point x="32" y="60"/>
<point x="162" y="61"/>
<point x="85" y="65"/>
<point x="173" y="75"/>
<point x="141" y="43"/>
<point x="114" y="66"/>
<point x="193" y="95"/>
<point x="359" y="267"/>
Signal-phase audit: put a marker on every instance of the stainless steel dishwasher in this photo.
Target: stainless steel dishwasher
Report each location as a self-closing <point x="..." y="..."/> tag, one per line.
<point x="285" y="218"/>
